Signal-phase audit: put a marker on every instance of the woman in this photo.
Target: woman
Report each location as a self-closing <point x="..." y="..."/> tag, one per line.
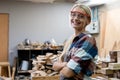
<point x="76" y="60"/>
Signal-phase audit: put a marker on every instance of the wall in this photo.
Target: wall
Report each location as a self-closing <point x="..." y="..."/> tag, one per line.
<point x="37" y="22"/>
<point x="109" y="28"/>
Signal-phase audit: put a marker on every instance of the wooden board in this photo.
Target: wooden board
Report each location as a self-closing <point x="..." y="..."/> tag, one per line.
<point x="46" y="78"/>
<point x="4" y="37"/>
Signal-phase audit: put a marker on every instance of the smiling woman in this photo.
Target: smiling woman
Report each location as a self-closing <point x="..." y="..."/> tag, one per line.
<point x="80" y="17"/>
<point x="77" y="59"/>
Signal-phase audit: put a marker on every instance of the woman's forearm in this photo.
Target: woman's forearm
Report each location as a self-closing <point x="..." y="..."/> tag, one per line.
<point x="57" y="66"/>
<point x="63" y="69"/>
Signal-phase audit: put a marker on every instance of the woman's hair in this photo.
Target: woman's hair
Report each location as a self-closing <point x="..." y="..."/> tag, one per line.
<point x="85" y="8"/>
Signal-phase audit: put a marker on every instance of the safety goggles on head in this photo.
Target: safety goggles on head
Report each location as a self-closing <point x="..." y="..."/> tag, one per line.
<point x="78" y="14"/>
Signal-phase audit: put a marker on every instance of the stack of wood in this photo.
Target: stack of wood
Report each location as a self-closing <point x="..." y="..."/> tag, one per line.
<point x="112" y="68"/>
<point x="42" y="65"/>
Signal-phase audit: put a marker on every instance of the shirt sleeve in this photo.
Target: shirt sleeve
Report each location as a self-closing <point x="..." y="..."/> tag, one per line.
<point x="87" y="51"/>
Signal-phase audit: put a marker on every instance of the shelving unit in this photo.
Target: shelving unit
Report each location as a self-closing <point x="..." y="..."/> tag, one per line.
<point x="28" y="55"/>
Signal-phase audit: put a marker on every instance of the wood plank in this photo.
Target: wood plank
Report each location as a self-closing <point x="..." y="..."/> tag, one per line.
<point x="4" y="37"/>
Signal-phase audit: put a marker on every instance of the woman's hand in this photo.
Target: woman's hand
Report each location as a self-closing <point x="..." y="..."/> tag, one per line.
<point x="67" y="72"/>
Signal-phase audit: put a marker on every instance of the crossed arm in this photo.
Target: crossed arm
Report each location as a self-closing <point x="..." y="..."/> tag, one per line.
<point x="63" y="69"/>
<point x="73" y="66"/>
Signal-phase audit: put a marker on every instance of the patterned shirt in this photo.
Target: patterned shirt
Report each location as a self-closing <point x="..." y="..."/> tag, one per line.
<point x="80" y="55"/>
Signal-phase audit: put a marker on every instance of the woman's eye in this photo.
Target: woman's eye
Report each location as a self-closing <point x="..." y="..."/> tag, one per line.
<point x="81" y="16"/>
<point x="73" y="15"/>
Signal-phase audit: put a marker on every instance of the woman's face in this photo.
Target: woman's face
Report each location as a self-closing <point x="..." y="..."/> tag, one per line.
<point x="78" y="18"/>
